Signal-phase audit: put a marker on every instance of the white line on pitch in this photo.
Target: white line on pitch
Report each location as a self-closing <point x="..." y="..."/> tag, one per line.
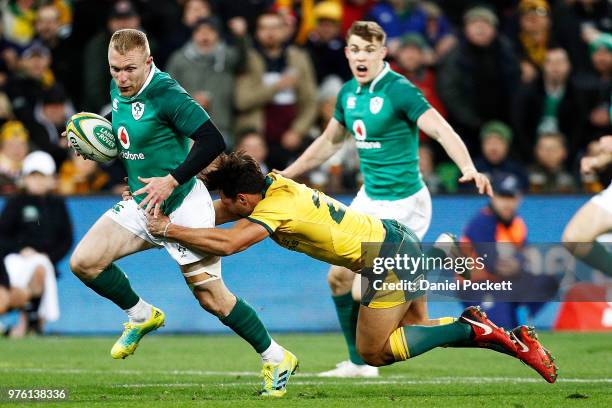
<point x="406" y="379"/>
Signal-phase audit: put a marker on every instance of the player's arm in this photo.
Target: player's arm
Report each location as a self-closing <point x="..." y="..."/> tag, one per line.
<point x="215" y="241"/>
<point x="436" y="127"/>
<point x="320" y="150"/>
<point x="208" y="144"/>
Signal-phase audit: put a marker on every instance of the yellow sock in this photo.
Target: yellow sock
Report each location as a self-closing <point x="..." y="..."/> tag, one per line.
<point x="399" y="347"/>
<point x="445" y="320"/>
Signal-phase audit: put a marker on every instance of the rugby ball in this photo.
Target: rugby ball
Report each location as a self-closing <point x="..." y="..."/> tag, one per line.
<point x="92" y="137"/>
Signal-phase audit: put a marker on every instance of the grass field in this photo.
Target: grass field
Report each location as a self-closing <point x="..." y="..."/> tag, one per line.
<point x="222" y="371"/>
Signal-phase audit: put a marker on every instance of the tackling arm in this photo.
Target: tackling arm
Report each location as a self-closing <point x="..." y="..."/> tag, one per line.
<point x="319" y="151"/>
<point x="436" y="127"/>
<point x="219" y="241"/>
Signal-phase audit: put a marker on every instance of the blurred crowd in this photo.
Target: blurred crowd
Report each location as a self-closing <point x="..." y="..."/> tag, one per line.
<point x="526" y="83"/>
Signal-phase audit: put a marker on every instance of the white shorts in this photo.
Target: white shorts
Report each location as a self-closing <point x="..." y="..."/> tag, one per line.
<point x="604" y="199"/>
<point x="20" y="270"/>
<point x="196" y="211"/>
<point x="414" y="211"/>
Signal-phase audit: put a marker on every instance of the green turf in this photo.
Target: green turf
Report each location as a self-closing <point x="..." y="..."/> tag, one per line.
<point x="222" y="371"/>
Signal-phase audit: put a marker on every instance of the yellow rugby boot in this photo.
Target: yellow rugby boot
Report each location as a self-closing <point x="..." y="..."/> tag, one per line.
<point x="133" y="332"/>
<point x="275" y="376"/>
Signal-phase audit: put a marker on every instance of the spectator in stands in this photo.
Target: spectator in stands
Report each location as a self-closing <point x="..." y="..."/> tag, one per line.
<point x="597" y="86"/>
<point x="9" y="54"/>
<point x="6" y="109"/>
<point x="325" y="45"/>
<point x="247" y="9"/>
<point x="500" y="232"/>
<point x="193" y="11"/>
<point x="13" y="150"/>
<point x="207" y="66"/>
<point x="159" y="18"/>
<point x="298" y="16"/>
<point x="253" y="143"/>
<point x="550" y="104"/>
<point x="410" y="62"/>
<point x="18" y="20"/>
<point x="28" y="84"/>
<point x="572" y="22"/>
<point x="36" y="232"/>
<point x="65" y="55"/>
<point x="438" y="32"/>
<point x="548" y="174"/>
<point x="534" y="37"/>
<point x="496" y="139"/>
<point x="477" y="79"/>
<point x="80" y="176"/>
<point x="427" y="169"/>
<point x="96" y="74"/>
<point x="277" y="93"/>
<point x="399" y="17"/>
<point x="354" y="10"/>
<point x="50" y="116"/>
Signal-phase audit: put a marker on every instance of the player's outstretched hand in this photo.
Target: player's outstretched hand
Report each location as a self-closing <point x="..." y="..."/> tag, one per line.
<point x="158" y="226"/>
<point x="482" y="182"/>
<point x="157" y="190"/>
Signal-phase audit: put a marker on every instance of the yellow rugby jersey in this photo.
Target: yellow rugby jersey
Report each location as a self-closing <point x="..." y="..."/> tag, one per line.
<point x="305" y="220"/>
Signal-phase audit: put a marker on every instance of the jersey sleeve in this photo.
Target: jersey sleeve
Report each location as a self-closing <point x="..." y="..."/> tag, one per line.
<point x="339" y="110"/>
<point x="183" y="113"/>
<point x="273" y="210"/>
<point x="408" y="100"/>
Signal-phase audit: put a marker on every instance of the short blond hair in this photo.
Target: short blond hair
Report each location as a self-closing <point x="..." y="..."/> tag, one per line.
<point x="368" y="30"/>
<point x="129" y="39"/>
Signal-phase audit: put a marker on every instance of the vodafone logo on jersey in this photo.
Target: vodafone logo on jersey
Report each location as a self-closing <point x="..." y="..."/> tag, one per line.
<point x="359" y="130"/>
<point x="123" y="137"/>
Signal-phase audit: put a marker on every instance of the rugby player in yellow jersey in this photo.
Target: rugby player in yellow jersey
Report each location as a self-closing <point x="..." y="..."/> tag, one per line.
<point x="305" y="220"/>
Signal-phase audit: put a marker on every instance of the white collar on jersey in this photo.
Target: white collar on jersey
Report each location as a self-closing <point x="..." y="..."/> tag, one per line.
<point x="147" y="82"/>
<point x="380" y="76"/>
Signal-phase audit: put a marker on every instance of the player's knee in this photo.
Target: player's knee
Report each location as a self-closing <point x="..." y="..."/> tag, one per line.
<point x="339" y="282"/>
<point x="213" y="303"/>
<point x="84" y="267"/>
<point x="371" y="356"/>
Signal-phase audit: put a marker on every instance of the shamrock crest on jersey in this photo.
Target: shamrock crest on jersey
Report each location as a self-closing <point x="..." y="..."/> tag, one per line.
<point x="376" y="104"/>
<point x="137" y="110"/>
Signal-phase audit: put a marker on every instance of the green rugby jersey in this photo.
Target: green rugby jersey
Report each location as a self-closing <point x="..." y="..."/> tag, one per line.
<point x="153" y="129"/>
<point x="382" y="117"/>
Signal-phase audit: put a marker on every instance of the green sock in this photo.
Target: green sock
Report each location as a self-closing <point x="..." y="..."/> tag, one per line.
<point x="348" y="311"/>
<point x="115" y="286"/>
<point x="599" y="258"/>
<point x="243" y="320"/>
<point x="420" y="339"/>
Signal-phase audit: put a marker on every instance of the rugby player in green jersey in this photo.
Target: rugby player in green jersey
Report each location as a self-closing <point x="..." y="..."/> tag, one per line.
<point x="153" y="119"/>
<point x="383" y="112"/>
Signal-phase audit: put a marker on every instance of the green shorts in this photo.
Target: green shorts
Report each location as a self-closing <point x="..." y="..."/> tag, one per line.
<point x="396" y="285"/>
